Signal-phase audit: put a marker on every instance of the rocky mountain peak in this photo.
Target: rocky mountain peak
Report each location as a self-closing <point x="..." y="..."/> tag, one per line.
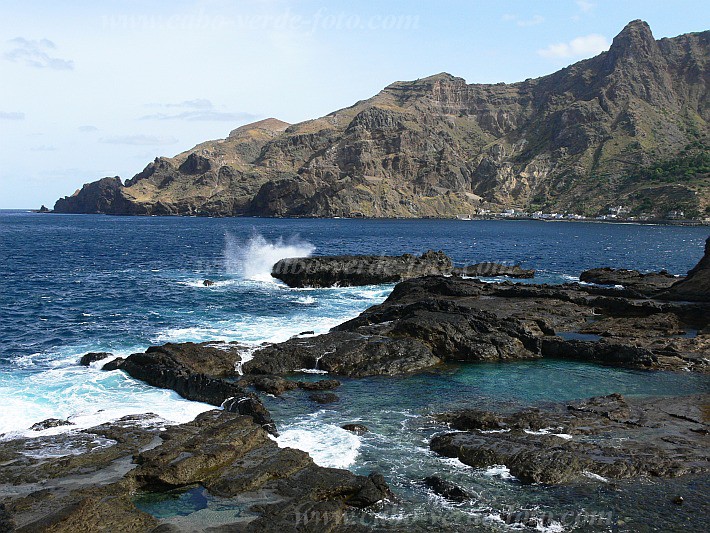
<point x="635" y="38"/>
<point x="269" y="124"/>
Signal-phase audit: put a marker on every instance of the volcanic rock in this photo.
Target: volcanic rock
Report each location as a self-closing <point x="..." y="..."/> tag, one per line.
<point x="696" y="286"/>
<point x="494" y="270"/>
<point x="611" y="437"/>
<point x="352" y="270"/>
<point x="92" y="357"/>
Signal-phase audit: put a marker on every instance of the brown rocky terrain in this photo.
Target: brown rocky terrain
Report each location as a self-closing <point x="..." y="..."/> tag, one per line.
<point x="628" y="128"/>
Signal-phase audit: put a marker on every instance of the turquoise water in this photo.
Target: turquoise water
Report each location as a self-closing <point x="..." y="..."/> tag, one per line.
<point x="73" y="284"/>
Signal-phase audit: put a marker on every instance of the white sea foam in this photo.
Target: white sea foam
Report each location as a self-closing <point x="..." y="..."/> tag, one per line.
<point x="328" y="444"/>
<point x="306" y="300"/>
<point x="84" y="396"/>
<point x="500" y="471"/>
<point x="596" y="477"/>
<point x="250" y="329"/>
<point x="549" y="431"/>
<point x="253" y="259"/>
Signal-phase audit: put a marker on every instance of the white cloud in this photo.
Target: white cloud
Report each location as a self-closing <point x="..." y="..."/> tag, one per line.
<point x="195" y="103"/>
<point x="524" y="23"/>
<point x="588" y="45"/>
<point x="36" y="53"/>
<point x="585" y="6"/>
<point x="139" y="140"/>
<point x="533" y="21"/>
<point x="199" y="109"/>
<point x="43" y="148"/>
<point x="5" y="115"/>
<point x="87" y="129"/>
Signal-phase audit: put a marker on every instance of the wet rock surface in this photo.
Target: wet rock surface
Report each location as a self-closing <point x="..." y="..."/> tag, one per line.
<point x="436" y="319"/>
<point x="494" y="270"/>
<point x="50" y="423"/>
<point x="350" y="270"/>
<point x="609" y="436"/>
<point x="446" y="489"/>
<point x="358" y="429"/>
<point x="645" y="283"/>
<point x="92" y="357"/>
<point x="227" y="454"/>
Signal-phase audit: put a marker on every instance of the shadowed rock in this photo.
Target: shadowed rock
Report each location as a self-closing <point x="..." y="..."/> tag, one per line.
<point x="446" y="489"/>
<point x="646" y="284"/>
<point x="349" y="270"/>
<point x="92" y="357"/>
<point x="50" y="423"/>
<point x="696" y="286"/>
<point x="494" y="270"/>
<point x="608" y="436"/>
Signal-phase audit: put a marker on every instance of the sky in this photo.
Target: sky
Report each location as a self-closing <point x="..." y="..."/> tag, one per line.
<point x="100" y="88"/>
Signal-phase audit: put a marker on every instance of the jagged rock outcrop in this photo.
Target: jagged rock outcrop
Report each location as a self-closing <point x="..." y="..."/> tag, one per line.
<point x="696" y="286"/>
<point x="626" y="128"/>
<point x="196" y="372"/>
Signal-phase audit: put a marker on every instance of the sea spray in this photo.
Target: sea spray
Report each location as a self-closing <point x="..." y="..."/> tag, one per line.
<point x="254" y="258"/>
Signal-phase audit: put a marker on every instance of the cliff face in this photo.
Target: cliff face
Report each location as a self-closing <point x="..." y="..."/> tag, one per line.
<point x="628" y="127"/>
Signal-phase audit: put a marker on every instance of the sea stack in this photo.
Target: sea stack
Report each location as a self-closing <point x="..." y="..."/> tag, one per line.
<point x="696" y="286"/>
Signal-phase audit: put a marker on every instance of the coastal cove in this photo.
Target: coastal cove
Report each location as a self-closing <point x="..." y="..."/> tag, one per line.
<point x="76" y="284"/>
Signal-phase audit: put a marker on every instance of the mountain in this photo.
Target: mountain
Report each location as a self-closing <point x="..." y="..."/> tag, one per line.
<point x="628" y="128"/>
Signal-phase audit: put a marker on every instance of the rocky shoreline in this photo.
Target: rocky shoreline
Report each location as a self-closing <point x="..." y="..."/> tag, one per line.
<point x="611" y="437"/>
<point x="652" y="323"/>
<point x="225" y="454"/>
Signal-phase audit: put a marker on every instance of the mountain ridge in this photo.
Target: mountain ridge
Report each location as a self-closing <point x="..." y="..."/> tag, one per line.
<point x="628" y="127"/>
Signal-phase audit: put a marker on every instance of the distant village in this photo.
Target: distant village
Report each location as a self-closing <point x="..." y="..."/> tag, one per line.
<point x="615" y="214"/>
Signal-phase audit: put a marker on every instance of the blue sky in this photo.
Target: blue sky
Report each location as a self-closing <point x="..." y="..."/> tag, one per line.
<point x="92" y="89"/>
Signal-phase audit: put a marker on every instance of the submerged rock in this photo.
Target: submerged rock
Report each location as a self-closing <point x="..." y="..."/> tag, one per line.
<point x="446" y="489"/>
<point x="358" y="429"/>
<point x="50" y="423"/>
<point x="321" y="384"/>
<point x="610" y="436"/>
<point x="348" y="270"/>
<point x="324" y="397"/>
<point x="92" y="357"/>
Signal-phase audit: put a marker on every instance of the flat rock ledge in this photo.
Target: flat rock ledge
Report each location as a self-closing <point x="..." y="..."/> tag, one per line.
<point x="354" y="270"/>
<point x="609" y="437"/>
<point x="224" y="454"/>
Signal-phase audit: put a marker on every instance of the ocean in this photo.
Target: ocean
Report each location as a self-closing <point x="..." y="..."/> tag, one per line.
<point x="73" y="284"/>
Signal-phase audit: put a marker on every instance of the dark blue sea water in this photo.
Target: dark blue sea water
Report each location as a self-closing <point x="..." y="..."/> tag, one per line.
<point x="73" y="284"/>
